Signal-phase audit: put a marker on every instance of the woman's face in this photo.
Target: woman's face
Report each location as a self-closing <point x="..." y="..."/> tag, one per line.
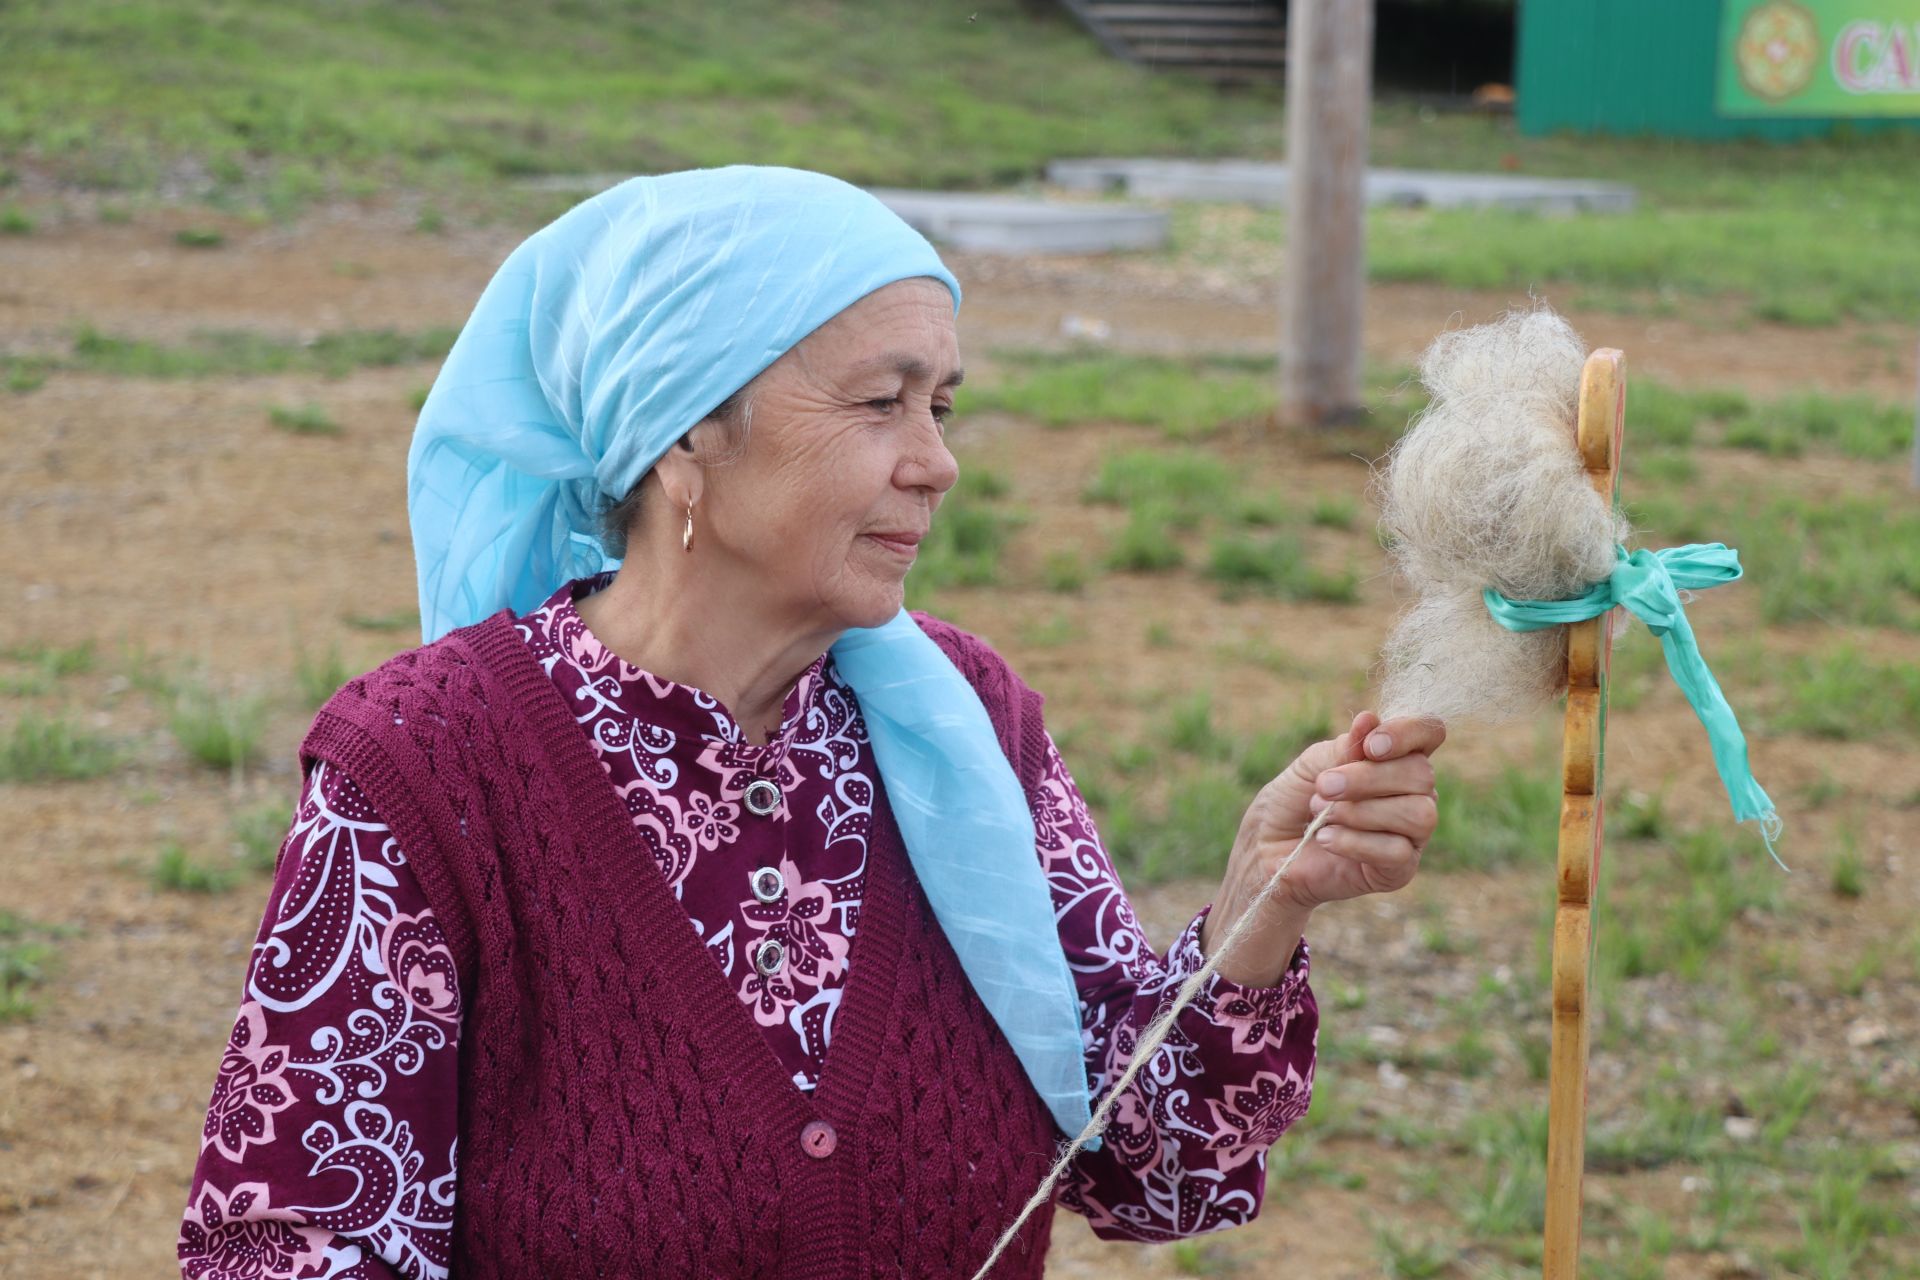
<point x="846" y="444"/>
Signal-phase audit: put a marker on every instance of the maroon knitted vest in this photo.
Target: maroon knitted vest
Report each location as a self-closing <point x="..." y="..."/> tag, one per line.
<point x="620" y="1112"/>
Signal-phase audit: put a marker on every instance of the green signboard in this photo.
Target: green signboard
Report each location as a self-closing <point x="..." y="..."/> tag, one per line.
<point x="1819" y="58"/>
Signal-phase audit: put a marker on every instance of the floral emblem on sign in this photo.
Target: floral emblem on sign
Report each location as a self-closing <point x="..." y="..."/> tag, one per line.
<point x="1777" y="50"/>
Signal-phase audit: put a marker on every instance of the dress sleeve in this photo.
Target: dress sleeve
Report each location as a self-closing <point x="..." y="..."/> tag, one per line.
<point x="328" y="1147"/>
<point x="1186" y="1146"/>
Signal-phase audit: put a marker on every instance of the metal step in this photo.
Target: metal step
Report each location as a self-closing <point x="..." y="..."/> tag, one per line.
<point x="1248" y="15"/>
<point x="1229" y="54"/>
<point x="1197" y="31"/>
<point x="1219" y="40"/>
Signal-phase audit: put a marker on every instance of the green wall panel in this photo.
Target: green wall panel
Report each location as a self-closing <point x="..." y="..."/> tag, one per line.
<point x="1635" y="67"/>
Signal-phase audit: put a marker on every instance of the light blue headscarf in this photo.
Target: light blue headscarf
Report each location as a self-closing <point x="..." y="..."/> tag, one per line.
<point x="600" y="342"/>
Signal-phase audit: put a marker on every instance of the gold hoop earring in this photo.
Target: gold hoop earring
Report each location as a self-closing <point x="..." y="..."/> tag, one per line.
<point x="686" y="535"/>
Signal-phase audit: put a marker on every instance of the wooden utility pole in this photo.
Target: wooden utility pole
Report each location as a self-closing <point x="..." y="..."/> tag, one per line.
<point x="1329" y="99"/>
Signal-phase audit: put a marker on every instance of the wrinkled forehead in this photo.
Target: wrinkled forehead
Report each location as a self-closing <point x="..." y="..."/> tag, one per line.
<point x="906" y="328"/>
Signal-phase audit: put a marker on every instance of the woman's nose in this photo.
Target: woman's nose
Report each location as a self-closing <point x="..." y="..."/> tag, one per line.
<point x="932" y="464"/>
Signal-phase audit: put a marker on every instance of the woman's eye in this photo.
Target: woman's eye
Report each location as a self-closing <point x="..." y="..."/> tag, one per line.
<point x="884" y="404"/>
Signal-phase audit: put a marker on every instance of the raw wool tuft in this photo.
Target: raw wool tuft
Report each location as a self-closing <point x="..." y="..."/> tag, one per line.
<point x="1486" y="489"/>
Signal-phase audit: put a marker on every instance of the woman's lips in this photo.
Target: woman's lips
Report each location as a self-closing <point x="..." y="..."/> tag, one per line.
<point x="899" y="546"/>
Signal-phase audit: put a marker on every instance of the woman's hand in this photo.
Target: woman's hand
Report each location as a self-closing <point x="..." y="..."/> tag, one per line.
<point x="1378" y="779"/>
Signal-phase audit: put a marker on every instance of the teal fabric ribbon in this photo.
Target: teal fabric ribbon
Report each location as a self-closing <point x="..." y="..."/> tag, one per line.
<point x="1648" y="584"/>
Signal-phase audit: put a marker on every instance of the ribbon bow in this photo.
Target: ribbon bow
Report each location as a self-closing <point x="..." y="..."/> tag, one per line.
<point x="1648" y="584"/>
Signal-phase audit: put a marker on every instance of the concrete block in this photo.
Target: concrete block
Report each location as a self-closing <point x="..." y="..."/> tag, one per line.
<point x="978" y="223"/>
<point x="1017" y="225"/>
<point x="1265" y="184"/>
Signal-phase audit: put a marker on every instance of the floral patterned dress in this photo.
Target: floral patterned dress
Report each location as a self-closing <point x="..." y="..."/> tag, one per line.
<point x="329" y="1147"/>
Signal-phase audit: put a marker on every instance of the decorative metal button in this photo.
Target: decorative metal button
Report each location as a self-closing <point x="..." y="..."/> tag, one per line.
<point x="768" y="957"/>
<point x="762" y="797"/>
<point x="818" y="1139"/>
<point x="768" y="884"/>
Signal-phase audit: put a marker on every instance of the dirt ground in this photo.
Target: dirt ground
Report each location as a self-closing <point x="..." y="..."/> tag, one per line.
<point x="165" y="521"/>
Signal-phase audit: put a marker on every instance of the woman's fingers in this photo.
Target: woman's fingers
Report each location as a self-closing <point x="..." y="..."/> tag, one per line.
<point x="1412" y="817"/>
<point x="1405" y="736"/>
<point x="1394" y="856"/>
<point x="1370" y="778"/>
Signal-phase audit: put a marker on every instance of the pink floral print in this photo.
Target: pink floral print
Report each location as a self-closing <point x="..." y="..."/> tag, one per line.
<point x="337" y="1092"/>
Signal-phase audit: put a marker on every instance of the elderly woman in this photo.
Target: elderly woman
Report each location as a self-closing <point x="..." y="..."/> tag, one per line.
<point x="685" y="906"/>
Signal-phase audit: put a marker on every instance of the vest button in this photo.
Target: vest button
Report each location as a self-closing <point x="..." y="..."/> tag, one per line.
<point x="762" y="797"/>
<point x="818" y="1139"/>
<point x="768" y="957"/>
<point x="769" y="885"/>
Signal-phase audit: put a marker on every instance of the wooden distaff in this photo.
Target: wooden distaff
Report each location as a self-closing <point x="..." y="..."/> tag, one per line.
<point x="1599" y="432"/>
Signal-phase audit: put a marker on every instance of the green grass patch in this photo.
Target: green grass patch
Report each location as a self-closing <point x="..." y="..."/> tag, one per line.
<point x="1189" y="481"/>
<point x="1265" y="509"/>
<point x="27" y="959"/>
<point x="1848" y="875"/>
<point x="224" y="353"/>
<point x="1661" y="415"/>
<point x="1149" y="542"/>
<point x="199" y="238"/>
<point x="319" y="674"/>
<point x="1190" y="836"/>
<point x="1513" y="819"/>
<point x="1665" y="1126"/>
<point x="1259" y="757"/>
<point x="1854" y="559"/>
<point x="1783" y="427"/>
<point x="258" y="834"/>
<point x="1276" y="565"/>
<point x="1413" y="1257"/>
<point x="1508" y="1197"/>
<point x="218" y="730"/>
<point x="1200" y="1258"/>
<point x="1845" y="1222"/>
<point x="1333" y="511"/>
<point x="1051" y="631"/>
<point x="398" y="620"/>
<point x="23" y="375"/>
<point x="1670" y="909"/>
<point x="1188" y="728"/>
<point x="1777" y="250"/>
<point x="1726" y="1206"/>
<point x="40" y="666"/>
<point x="1854" y="425"/>
<point x="1211" y="776"/>
<point x="1187" y="399"/>
<point x="178" y="871"/>
<point x="1842" y="694"/>
<point x="1064" y="572"/>
<point x="53" y="749"/>
<point x="308" y="419"/>
<point x="964" y="544"/>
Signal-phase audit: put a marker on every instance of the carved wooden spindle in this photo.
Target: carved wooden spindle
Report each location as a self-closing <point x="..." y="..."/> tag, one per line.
<point x="1599" y="432"/>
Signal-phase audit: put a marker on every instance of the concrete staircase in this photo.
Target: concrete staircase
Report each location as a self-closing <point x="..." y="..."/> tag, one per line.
<point x="1226" y="41"/>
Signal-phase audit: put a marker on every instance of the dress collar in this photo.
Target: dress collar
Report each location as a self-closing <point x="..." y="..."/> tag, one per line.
<point x="624" y="689"/>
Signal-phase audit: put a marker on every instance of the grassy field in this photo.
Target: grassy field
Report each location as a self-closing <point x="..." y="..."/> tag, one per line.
<point x="1198" y="590"/>
<point x="207" y="100"/>
<point x="116" y="95"/>
<point x="1239" y="561"/>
